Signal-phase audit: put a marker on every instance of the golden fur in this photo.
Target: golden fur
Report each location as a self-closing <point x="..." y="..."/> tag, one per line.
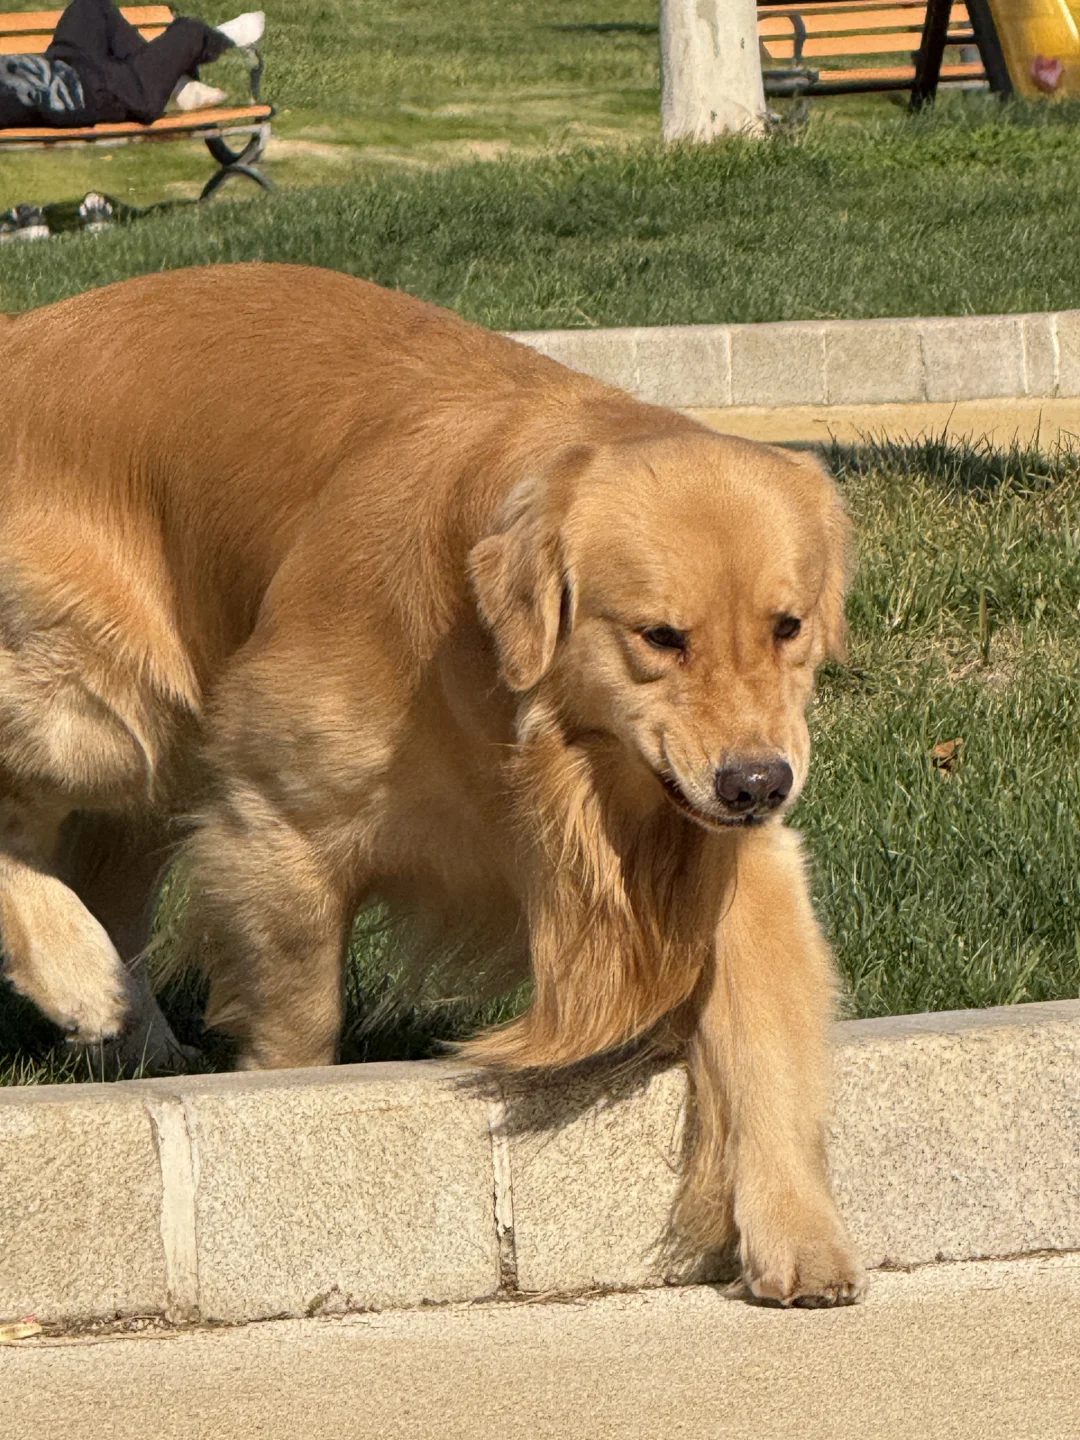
<point x="368" y="598"/>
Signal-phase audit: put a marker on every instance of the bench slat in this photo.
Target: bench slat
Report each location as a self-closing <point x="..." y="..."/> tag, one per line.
<point x="38" y="44"/>
<point x="898" y="72"/>
<point x="853" y="23"/>
<point x="192" y="122"/>
<point x="28" y="22"/>
<point x="892" y="44"/>
<point x="868" y="7"/>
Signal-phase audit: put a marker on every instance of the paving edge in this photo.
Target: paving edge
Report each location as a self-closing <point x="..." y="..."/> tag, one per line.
<point x="981" y="1350"/>
<point x="229" y="1198"/>
<point x="831" y="362"/>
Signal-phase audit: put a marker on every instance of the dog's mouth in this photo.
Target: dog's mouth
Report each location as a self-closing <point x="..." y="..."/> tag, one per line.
<point x="707" y="819"/>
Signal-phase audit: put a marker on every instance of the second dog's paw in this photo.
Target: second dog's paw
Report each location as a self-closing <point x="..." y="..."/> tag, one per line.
<point x="60" y="957"/>
<point x="94" y="1016"/>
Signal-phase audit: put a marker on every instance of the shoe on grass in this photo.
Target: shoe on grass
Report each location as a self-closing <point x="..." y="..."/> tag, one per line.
<point x="24" y="222"/>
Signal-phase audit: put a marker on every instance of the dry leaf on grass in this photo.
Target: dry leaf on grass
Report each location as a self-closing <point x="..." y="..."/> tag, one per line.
<point x="946" y="756"/>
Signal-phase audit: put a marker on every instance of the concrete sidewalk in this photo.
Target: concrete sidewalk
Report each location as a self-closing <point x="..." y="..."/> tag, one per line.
<point x="988" y="1350"/>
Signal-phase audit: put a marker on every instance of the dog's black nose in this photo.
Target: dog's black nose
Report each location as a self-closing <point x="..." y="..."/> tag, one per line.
<point x="754" y="785"/>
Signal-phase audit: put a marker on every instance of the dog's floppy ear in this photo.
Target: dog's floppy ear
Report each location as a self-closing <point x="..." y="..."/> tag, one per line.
<point x="520" y="589"/>
<point x="838" y="565"/>
<point x="838" y="558"/>
<point x="837" y="541"/>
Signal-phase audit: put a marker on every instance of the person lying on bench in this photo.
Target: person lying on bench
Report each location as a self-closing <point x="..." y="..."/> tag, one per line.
<point x="98" y="69"/>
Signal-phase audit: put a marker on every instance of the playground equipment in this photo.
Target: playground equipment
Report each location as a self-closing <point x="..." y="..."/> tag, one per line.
<point x="1040" y="42"/>
<point x="833" y="47"/>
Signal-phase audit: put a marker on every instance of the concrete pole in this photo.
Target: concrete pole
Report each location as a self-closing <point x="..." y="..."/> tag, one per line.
<point x="711" y="69"/>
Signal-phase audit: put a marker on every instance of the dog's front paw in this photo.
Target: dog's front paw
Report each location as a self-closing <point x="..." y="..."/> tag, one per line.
<point x="809" y="1262"/>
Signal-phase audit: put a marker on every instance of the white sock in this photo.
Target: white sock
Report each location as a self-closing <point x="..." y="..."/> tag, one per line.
<point x="197" y="96"/>
<point x="246" y="29"/>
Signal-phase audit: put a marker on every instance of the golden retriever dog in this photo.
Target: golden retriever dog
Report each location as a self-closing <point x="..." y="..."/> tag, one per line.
<point x="375" y="604"/>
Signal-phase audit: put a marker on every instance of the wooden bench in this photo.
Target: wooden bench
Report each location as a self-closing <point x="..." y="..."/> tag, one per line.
<point x="856" y="46"/>
<point x="30" y="34"/>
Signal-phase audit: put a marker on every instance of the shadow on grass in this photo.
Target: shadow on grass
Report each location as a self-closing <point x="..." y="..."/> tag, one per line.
<point x="958" y="465"/>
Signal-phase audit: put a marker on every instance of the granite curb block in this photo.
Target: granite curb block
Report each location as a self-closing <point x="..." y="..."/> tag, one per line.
<point x="831" y="362"/>
<point x="250" y="1196"/>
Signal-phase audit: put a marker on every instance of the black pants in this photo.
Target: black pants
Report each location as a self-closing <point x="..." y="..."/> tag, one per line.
<point x="125" y="77"/>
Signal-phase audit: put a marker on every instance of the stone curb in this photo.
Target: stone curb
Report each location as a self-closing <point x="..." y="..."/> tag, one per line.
<point x="831" y="362"/>
<point x="247" y="1196"/>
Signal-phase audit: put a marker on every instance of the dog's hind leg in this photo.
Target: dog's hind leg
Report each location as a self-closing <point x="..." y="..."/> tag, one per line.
<point x="53" y="950"/>
<point x="280" y="858"/>
<point x="276" y="925"/>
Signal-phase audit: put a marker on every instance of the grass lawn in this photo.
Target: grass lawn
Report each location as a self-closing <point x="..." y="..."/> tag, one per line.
<point x="390" y="113"/>
<point x="940" y="889"/>
<point x="948" y="889"/>
<point x="971" y="210"/>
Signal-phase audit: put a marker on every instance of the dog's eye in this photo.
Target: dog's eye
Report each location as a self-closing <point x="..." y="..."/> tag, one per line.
<point x="787" y="627"/>
<point x="663" y="637"/>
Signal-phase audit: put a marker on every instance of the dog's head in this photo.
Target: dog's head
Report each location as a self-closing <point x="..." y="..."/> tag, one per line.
<point x="674" y="595"/>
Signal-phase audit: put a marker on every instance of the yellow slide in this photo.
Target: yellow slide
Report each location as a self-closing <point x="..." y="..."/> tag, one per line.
<point x="1040" y="40"/>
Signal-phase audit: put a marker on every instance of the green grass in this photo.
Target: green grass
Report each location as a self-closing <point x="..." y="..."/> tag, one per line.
<point x="946" y="890"/>
<point x="940" y="890"/>
<point x="971" y="210"/>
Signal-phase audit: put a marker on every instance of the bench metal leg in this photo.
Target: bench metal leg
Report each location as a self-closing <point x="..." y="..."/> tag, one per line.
<point x="993" y="58"/>
<point x="237" y="162"/>
<point x="931" y="53"/>
<point x="932" y="50"/>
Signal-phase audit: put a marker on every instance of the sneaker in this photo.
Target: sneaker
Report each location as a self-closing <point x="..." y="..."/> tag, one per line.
<point x="24" y="222"/>
<point x="197" y="96"/>
<point x="246" y="29"/>
<point x="96" y="212"/>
